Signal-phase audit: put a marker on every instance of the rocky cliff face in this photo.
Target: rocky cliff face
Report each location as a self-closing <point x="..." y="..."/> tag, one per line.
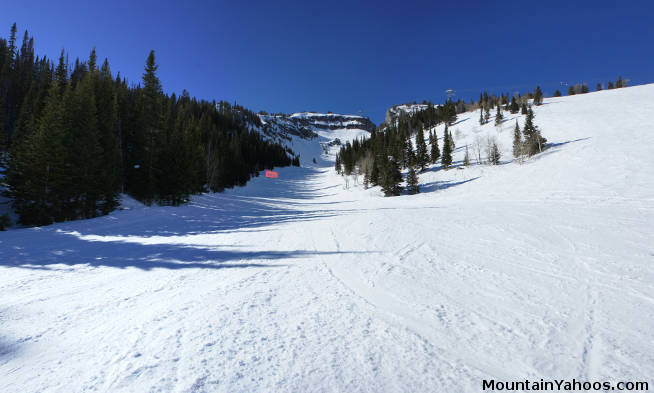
<point x="306" y="124"/>
<point x="394" y="112"/>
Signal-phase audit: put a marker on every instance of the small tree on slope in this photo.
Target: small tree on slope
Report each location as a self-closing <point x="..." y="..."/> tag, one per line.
<point x="422" y="157"/>
<point x="412" y="182"/>
<point x="446" y="159"/>
<point x="534" y="142"/>
<point x="466" y="158"/>
<point x="538" y="96"/>
<point x="498" y="116"/>
<point x="390" y="178"/>
<point x="517" y="141"/>
<point x="435" y="151"/>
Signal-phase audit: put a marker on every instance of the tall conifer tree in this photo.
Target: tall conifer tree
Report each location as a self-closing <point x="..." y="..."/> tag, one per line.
<point x="446" y="159"/>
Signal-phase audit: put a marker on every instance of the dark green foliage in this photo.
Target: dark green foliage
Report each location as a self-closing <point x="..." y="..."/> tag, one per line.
<point x="599" y="87"/>
<point x="435" y="153"/>
<point x="523" y="109"/>
<point x="374" y="173"/>
<point x="422" y="157"/>
<point x="481" y="116"/>
<point x="494" y="158"/>
<point x="446" y="159"/>
<point x="76" y="138"/>
<point x="557" y="93"/>
<point x="538" y="96"/>
<point x="619" y="83"/>
<point x="533" y="141"/>
<point x="584" y="88"/>
<point x="388" y="149"/>
<point x="571" y="91"/>
<point x="514" y="105"/>
<point x="412" y="182"/>
<point x="449" y="112"/>
<point x="517" y="141"/>
<point x="610" y="85"/>
<point x="499" y="117"/>
<point x="5" y="222"/>
<point x="390" y="177"/>
<point x="487" y="114"/>
<point x="409" y="156"/>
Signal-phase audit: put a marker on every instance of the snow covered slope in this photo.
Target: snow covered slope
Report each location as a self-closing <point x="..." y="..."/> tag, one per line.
<point x="518" y="271"/>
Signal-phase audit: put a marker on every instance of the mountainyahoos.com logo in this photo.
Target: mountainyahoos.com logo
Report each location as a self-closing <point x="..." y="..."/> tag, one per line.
<point x="563" y="385"/>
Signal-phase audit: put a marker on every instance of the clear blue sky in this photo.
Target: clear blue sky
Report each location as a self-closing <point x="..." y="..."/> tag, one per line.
<point x="346" y="56"/>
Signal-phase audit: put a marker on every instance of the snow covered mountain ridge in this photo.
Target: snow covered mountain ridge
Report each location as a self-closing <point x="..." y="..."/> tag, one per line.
<point x="305" y="124"/>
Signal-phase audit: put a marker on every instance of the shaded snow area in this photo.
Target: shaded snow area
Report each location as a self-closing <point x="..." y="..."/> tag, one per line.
<point x="518" y="271"/>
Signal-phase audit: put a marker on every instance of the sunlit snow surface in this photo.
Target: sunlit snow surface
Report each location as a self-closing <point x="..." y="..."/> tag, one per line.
<point x="520" y="271"/>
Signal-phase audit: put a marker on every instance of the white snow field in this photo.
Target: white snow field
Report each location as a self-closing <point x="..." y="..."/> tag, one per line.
<point x="519" y="271"/>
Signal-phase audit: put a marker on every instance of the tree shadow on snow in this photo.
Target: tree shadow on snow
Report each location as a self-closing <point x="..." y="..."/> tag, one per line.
<point x="45" y="249"/>
<point x="443" y="185"/>
<point x="551" y="148"/>
<point x="552" y="145"/>
<point x="459" y="121"/>
<point x="172" y="237"/>
<point x="7" y="350"/>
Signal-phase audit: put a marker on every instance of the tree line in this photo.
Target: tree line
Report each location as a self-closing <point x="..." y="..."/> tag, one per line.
<point x="389" y="149"/>
<point x="72" y="137"/>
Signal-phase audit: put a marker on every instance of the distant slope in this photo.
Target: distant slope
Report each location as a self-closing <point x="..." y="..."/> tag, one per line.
<point x="597" y="146"/>
<point x="313" y="135"/>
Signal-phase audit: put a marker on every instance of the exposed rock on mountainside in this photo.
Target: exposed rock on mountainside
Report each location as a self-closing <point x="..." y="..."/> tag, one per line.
<point x="306" y="123"/>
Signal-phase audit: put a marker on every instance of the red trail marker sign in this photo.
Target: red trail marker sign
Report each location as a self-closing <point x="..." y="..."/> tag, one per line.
<point x="272" y="174"/>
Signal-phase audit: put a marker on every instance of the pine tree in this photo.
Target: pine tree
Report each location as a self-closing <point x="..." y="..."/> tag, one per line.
<point x="523" y="109"/>
<point x="11" y="49"/>
<point x="495" y="154"/>
<point x="61" y="73"/>
<point x="487" y="114"/>
<point x="538" y="96"/>
<point x="557" y="93"/>
<point x="533" y="141"/>
<point x="374" y="173"/>
<point x="84" y="151"/>
<point x="599" y="86"/>
<point x="93" y="61"/>
<point x="610" y="85"/>
<point x="514" y="105"/>
<point x="435" y="153"/>
<point x="422" y="157"/>
<point x="409" y="156"/>
<point x="36" y="176"/>
<point x="571" y="91"/>
<point x="412" y="182"/>
<point x="481" y="116"/>
<point x="619" y="83"/>
<point x="498" y="116"/>
<point x="152" y="119"/>
<point x="337" y="164"/>
<point x="446" y="159"/>
<point x="390" y="178"/>
<point x="584" y="88"/>
<point x="517" y="141"/>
